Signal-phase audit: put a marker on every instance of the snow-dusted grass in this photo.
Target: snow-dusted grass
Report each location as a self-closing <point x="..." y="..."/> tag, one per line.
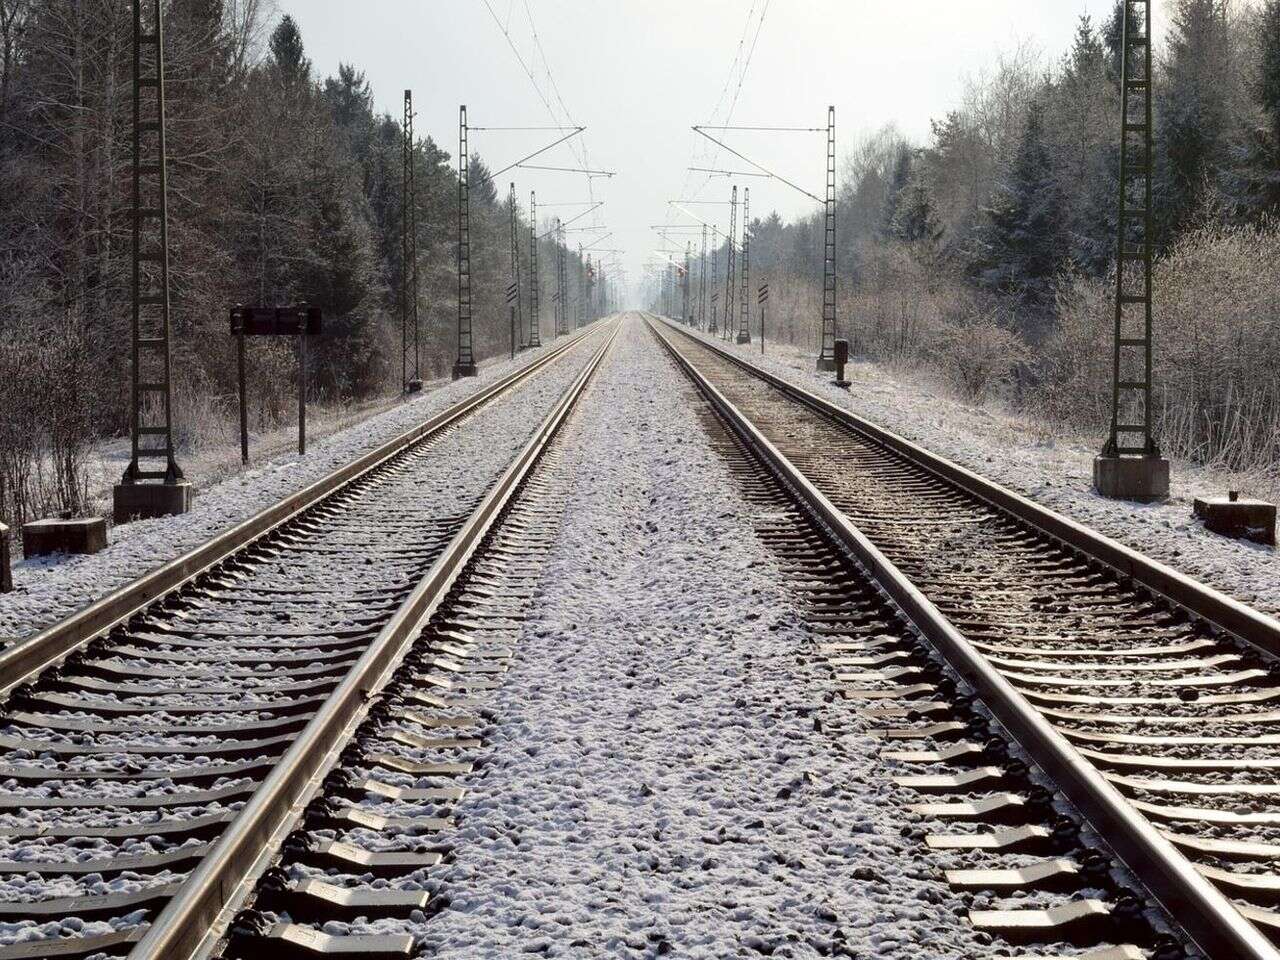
<point x="657" y="783"/>
<point x="1054" y="471"/>
<point x="47" y="589"/>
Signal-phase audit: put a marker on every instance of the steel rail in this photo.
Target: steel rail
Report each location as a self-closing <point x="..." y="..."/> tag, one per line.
<point x="195" y="919"/>
<point x="27" y="656"/>
<point x="1249" y="625"/>
<point x="1207" y="916"/>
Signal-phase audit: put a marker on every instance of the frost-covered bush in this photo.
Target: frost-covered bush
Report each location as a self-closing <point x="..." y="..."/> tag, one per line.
<point x="1217" y="350"/>
<point x="46" y="430"/>
<point x="902" y="305"/>
<point x="1072" y="367"/>
<point x="979" y="356"/>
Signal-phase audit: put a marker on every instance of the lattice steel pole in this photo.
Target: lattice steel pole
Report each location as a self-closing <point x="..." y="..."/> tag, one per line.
<point x="730" y="274"/>
<point x="685" y="316"/>
<point x="591" y="291"/>
<point x="827" y="354"/>
<point x="744" y="292"/>
<point x="562" y="317"/>
<point x="535" y="281"/>
<point x="702" y="281"/>
<point x="579" y="288"/>
<point x="557" y="297"/>
<point x="715" y="294"/>
<point x="410" y="380"/>
<point x="1131" y="466"/>
<point x="151" y="386"/>
<point x="466" y="363"/>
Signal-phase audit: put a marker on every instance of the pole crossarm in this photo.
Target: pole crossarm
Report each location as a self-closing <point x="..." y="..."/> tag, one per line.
<point x="597" y="240"/>
<point x="511" y="166"/>
<point x="561" y="224"/>
<point x="706" y="126"/>
<point x="711" y="226"/>
<point x="524" y="129"/>
<point x="589" y="173"/>
<point x="746" y="159"/>
<point x="728" y="173"/>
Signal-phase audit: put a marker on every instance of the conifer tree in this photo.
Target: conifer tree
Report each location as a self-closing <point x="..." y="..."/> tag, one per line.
<point x="1253" y="182"/>
<point x="1022" y="245"/>
<point x="1193" y="115"/>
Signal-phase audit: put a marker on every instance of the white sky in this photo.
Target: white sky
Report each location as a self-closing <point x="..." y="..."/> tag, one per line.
<point x="639" y="73"/>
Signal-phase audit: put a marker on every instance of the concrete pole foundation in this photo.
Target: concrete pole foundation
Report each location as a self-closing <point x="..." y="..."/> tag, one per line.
<point x="1142" y="479"/>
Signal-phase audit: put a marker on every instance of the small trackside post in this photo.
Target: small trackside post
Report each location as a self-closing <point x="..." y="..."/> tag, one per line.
<point x="841" y="358"/>
<point x="6" y="568"/>
<point x="302" y="393"/>
<point x="762" y="297"/>
<point x="513" y="297"/>
<point x="243" y="391"/>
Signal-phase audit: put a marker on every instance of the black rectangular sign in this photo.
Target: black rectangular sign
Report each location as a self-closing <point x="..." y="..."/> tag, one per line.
<point x="277" y="321"/>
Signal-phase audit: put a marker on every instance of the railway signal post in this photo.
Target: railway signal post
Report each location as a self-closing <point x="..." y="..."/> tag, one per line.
<point x="762" y="297"/>
<point x="513" y="292"/>
<point x="1130" y="466"/>
<point x="513" y="297"/>
<point x="147" y="491"/>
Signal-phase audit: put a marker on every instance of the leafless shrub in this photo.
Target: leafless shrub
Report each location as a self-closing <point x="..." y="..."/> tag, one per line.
<point x="1072" y="384"/>
<point x="979" y="356"/>
<point x="47" y="430"/>
<point x="1217" y="330"/>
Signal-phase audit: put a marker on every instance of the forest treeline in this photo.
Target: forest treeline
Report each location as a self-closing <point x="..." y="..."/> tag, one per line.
<point x="284" y="185"/>
<point x="986" y="254"/>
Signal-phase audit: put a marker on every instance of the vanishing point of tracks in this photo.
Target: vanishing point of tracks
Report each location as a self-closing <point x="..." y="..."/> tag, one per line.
<point x="160" y="747"/>
<point x="1144" y="704"/>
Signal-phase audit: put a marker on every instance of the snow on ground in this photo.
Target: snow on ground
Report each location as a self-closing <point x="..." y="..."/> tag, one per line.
<point x="656" y="784"/>
<point x="49" y="588"/>
<point x="1057" y="473"/>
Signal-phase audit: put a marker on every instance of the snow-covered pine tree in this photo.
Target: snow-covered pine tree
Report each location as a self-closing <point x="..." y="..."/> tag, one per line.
<point x="1193" y="114"/>
<point x="1252" y="182"/>
<point x="1022" y="245"/>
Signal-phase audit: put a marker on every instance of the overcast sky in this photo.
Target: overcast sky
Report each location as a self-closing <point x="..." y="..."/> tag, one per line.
<point x="639" y="73"/>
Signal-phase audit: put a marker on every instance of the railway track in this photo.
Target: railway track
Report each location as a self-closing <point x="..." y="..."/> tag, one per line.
<point x="158" y="747"/>
<point x="1140" y="705"/>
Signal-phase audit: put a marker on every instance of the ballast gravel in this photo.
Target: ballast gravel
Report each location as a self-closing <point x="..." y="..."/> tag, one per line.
<point x="48" y="589"/>
<point x="1054" y="471"/>
<point x="446" y="480"/>
<point x="656" y="783"/>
